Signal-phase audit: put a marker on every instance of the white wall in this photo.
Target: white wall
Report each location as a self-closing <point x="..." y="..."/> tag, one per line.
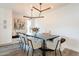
<point x="5" y="33"/>
<point x="65" y="22"/>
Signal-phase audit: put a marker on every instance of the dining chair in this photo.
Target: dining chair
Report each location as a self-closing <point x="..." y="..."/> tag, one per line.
<point x="37" y="43"/>
<point x="32" y="43"/>
<point x="22" y="42"/>
<point x="25" y="43"/>
<point x="56" y="44"/>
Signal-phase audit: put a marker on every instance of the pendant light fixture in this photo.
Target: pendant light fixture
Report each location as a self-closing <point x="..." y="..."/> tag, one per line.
<point x="40" y="11"/>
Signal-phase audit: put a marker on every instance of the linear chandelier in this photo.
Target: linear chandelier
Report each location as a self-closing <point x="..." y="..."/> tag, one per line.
<point x="40" y="10"/>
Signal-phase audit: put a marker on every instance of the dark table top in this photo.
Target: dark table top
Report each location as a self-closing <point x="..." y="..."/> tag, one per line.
<point x="43" y="36"/>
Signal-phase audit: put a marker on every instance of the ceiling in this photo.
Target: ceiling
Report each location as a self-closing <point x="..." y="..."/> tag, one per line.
<point x="22" y="8"/>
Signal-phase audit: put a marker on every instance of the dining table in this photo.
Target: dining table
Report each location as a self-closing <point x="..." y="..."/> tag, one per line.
<point x="44" y="38"/>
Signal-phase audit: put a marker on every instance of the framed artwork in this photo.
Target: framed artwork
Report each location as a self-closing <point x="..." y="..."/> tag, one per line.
<point x="19" y="24"/>
<point x="5" y="24"/>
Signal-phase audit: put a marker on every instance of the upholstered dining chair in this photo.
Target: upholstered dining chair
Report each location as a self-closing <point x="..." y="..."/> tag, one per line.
<point x="33" y="42"/>
<point x="36" y="43"/>
<point x="62" y="40"/>
<point x="56" y="44"/>
<point x="25" y="43"/>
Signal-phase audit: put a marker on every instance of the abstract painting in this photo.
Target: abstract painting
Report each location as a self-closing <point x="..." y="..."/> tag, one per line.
<point x="19" y="24"/>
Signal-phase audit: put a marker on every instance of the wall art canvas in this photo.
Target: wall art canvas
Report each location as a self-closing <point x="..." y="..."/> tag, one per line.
<point x="5" y="24"/>
<point x="19" y="24"/>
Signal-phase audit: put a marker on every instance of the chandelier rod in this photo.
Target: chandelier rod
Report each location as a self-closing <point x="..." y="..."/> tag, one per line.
<point x="40" y="9"/>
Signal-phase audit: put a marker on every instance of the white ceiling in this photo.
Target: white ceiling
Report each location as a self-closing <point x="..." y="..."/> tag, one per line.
<point x="22" y="8"/>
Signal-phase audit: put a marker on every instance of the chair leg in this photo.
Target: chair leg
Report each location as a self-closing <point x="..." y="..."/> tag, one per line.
<point x="28" y="52"/>
<point x="56" y="48"/>
<point x="33" y="52"/>
<point x="21" y="46"/>
<point x="24" y="49"/>
<point x="55" y="53"/>
<point x="32" y="47"/>
<point x="60" y="52"/>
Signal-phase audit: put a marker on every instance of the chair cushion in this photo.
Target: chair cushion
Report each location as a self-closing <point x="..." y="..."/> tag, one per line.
<point x="36" y="43"/>
<point x="52" y="44"/>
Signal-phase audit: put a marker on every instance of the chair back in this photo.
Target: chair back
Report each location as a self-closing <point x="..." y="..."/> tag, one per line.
<point x="36" y="43"/>
<point x="53" y="44"/>
<point x="59" y="42"/>
<point x="62" y="40"/>
<point x="22" y="38"/>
